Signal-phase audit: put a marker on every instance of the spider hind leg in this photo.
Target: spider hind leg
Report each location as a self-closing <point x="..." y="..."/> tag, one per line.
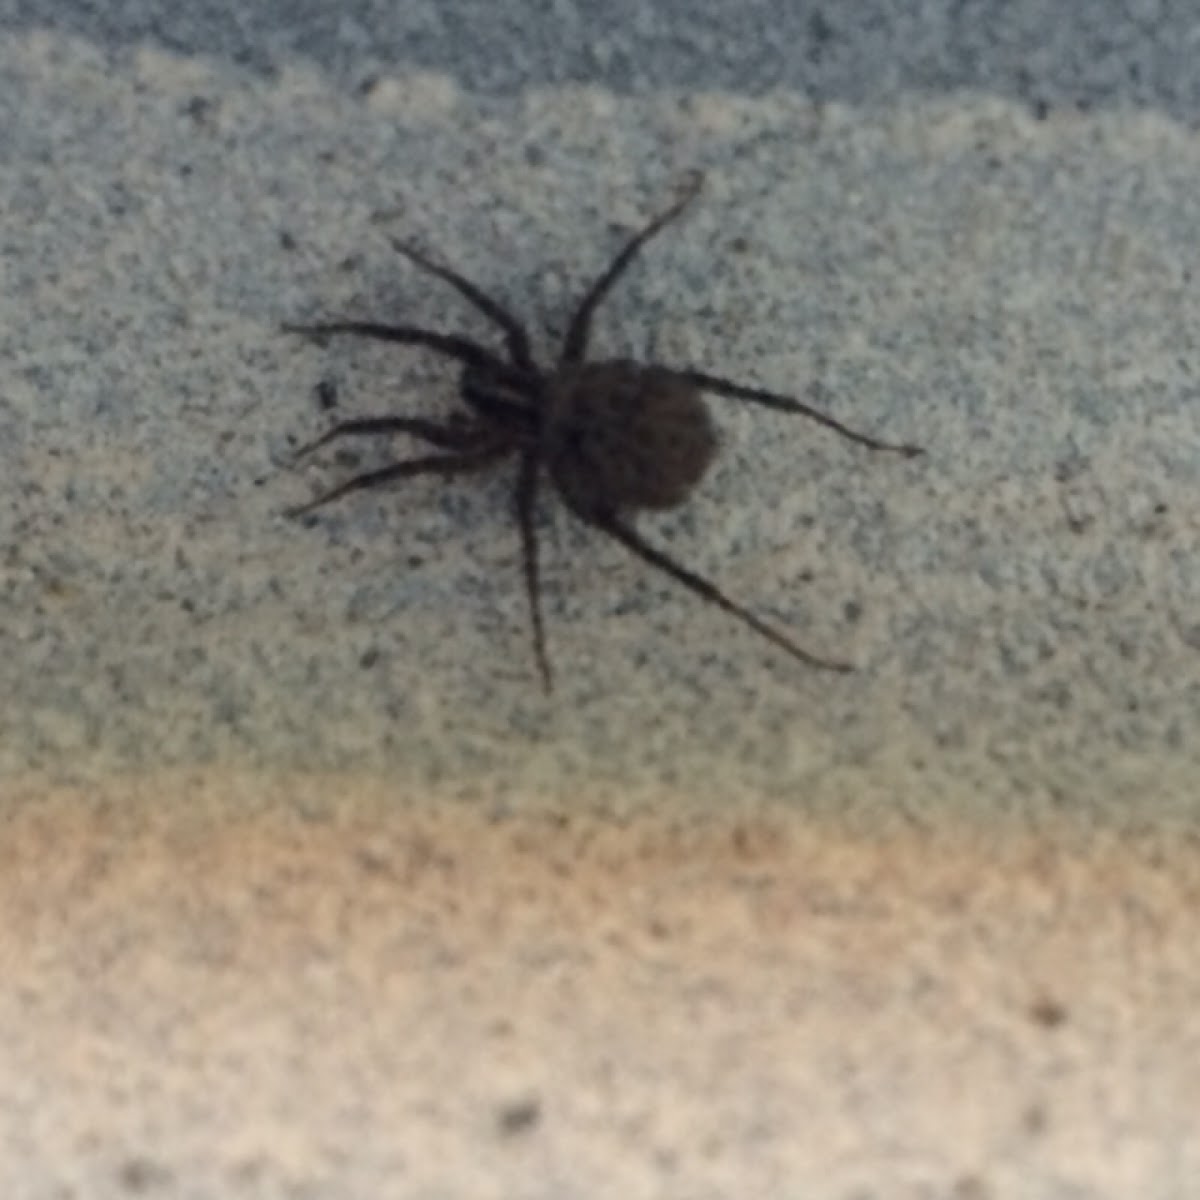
<point x="707" y="591"/>
<point x="738" y="391"/>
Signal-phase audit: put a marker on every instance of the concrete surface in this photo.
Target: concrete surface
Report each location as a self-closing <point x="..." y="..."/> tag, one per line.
<point x="1107" y="54"/>
<point x="307" y="889"/>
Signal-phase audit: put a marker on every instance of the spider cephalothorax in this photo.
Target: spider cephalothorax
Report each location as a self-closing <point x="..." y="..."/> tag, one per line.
<point x="613" y="437"/>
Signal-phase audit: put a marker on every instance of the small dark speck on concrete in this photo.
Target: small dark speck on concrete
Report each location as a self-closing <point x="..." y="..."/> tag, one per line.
<point x="1070" y="468"/>
<point x="286" y="240"/>
<point x="820" y="32"/>
<point x="374" y="863"/>
<point x="199" y="108"/>
<point x="970" y="1187"/>
<point x="369" y="658"/>
<point x="852" y="611"/>
<point x="519" y="1116"/>
<point x="141" y="1175"/>
<point x="1048" y="1012"/>
<point x="327" y="395"/>
<point x="1035" y="1120"/>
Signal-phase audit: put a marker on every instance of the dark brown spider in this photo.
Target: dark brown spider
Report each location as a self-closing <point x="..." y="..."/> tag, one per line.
<point x="613" y="437"/>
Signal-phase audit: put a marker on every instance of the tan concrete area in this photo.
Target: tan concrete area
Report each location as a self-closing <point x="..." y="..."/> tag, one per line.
<point x="275" y="987"/>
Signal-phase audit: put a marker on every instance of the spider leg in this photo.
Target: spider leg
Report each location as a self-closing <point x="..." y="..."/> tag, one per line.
<point x="515" y="337"/>
<point x="444" y="436"/>
<point x="575" y="344"/>
<point x="527" y="483"/>
<point x="629" y="537"/>
<point x="725" y="387"/>
<point x="461" y="348"/>
<point x="498" y="404"/>
<point x="433" y="464"/>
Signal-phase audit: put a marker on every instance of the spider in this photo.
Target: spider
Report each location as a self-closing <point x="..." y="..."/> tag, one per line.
<point x="612" y="437"/>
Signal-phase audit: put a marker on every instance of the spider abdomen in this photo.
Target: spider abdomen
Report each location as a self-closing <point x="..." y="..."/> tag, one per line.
<point x="622" y="436"/>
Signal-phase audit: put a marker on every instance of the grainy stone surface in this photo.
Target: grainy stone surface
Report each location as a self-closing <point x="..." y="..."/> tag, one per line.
<point x="306" y="888"/>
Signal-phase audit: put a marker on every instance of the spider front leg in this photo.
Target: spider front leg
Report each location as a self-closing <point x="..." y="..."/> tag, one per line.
<point x="433" y="464"/>
<point x="526" y="498"/>
<point x="453" y="346"/>
<point x="515" y="337"/>
<point x="446" y="437"/>
<point x="575" y="344"/>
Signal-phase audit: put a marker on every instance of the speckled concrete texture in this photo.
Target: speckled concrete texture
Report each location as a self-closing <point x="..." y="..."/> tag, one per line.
<point x="305" y="887"/>
<point x="1013" y="294"/>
